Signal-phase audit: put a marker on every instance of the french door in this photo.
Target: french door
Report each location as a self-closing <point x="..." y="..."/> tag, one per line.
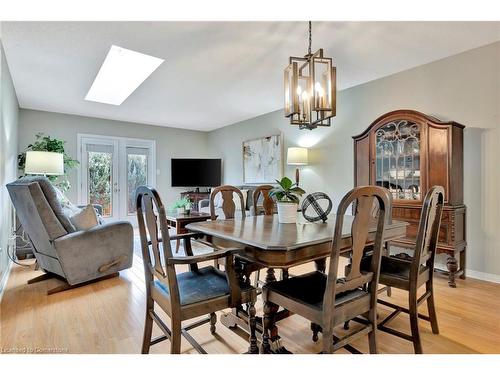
<point x="111" y="168"/>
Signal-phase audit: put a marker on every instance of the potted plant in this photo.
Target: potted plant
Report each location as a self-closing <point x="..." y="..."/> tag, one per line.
<point x="183" y="205"/>
<point x="45" y="142"/>
<point x="287" y="195"/>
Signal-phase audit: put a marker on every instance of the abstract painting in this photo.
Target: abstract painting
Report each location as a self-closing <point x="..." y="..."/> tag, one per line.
<point x="263" y="160"/>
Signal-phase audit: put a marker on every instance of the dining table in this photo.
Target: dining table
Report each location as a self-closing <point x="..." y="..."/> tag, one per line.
<point x="267" y="243"/>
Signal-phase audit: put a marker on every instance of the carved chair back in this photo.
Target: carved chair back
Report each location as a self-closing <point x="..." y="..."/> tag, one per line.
<point x="268" y="203"/>
<point x="228" y="207"/>
<point x="428" y="231"/>
<point x="375" y="208"/>
<point x="155" y="242"/>
<point x="364" y="198"/>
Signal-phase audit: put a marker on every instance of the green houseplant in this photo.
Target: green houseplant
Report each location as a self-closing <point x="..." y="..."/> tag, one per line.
<point x="287" y="195"/>
<point x="183" y="205"/>
<point x="45" y="142"/>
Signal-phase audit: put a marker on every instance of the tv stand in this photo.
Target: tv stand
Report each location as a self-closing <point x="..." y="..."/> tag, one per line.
<point x="195" y="197"/>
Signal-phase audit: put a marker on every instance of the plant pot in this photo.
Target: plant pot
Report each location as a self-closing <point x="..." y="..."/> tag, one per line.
<point x="287" y="212"/>
<point x="181" y="210"/>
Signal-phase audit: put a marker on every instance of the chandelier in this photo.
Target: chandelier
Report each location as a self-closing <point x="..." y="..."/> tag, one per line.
<point x="310" y="89"/>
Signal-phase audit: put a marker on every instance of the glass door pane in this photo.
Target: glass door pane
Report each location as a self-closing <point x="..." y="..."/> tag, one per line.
<point x="100" y="179"/>
<point x="397" y="166"/>
<point x="137" y="174"/>
<point x="112" y="168"/>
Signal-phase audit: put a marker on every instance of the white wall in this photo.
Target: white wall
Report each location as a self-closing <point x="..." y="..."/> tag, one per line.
<point x="170" y="142"/>
<point x="464" y="88"/>
<point x="8" y="159"/>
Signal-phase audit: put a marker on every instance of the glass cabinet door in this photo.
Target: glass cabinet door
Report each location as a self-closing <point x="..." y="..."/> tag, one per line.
<point x="397" y="165"/>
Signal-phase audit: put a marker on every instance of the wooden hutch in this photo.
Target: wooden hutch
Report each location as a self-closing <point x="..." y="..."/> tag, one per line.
<point x="408" y="152"/>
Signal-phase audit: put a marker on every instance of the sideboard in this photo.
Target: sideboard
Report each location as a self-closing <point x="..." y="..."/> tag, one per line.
<point x="408" y="152"/>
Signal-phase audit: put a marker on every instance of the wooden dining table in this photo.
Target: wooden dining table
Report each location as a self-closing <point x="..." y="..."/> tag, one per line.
<point x="269" y="244"/>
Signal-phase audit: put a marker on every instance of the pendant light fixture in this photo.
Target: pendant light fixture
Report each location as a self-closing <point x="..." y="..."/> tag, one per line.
<point x="310" y="89"/>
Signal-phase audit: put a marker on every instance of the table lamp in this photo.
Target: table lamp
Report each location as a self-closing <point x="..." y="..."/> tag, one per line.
<point x="297" y="156"/>
<point x="44" y="162"/>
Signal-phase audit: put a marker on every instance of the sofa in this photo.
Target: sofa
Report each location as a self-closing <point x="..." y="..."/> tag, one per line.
<point x="78" y="256"/>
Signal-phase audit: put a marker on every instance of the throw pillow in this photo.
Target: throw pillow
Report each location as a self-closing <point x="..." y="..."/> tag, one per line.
<point x="68" y="208"/>
<point x="85" y="219"/>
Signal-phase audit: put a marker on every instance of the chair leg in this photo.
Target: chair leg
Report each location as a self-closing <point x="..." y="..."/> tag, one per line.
<point x="256" y="279"/>
<point x="284" y="274"/>
<point x="389" y="291"/>
<point x="252" y="324"/>
<point x="315" y="328"/>
<point x="432" y="309"/>
<point x="175" y="338"/>
<point x="213" y="321"/>
<point x="266" y="326"/>
<point x="372" y="335"/>
<point x="327" y="341"/>
<point x="148" y="330"/>
<point x="415" y="334"/>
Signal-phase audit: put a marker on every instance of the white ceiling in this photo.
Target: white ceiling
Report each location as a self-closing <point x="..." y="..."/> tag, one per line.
<point x="215" y="73"/>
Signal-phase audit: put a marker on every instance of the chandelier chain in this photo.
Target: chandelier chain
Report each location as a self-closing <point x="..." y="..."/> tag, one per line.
<point x="310" y="37"/>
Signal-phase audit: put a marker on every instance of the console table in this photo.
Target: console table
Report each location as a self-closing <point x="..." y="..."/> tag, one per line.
<point x="179" y="222"/>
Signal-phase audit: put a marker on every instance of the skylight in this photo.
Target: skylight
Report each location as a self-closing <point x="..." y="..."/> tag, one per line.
<point x="121" y="73"/>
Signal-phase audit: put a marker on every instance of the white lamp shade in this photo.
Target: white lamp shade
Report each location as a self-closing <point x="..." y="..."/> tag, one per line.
<point x="44" y="162"/>
<point x="297" y="156"/>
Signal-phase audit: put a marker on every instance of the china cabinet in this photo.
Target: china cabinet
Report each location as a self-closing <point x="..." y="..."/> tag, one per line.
<point x="408" y="152"/>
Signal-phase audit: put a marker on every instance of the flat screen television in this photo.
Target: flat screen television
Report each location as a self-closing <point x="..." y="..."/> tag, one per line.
<point x="196" y="172"/>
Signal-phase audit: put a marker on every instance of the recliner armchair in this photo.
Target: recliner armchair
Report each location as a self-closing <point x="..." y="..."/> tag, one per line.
<point x="61" y="251"/>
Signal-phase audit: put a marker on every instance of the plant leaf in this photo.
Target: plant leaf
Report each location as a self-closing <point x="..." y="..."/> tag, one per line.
<point x="286" y="183"/>
<point x="298" y="190"/>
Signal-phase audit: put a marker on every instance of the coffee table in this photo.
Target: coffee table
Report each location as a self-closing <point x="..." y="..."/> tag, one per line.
<point x="179" y="222"/>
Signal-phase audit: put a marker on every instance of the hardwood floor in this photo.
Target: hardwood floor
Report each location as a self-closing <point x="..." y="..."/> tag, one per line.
<point x="108" y="316"/>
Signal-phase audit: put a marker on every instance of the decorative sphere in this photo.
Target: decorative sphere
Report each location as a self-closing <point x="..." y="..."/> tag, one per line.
<point x="320" y="213"/>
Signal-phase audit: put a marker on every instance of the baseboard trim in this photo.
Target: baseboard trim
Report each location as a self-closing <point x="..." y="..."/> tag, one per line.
<point x="491" y="277"/>
<point x="3" y="282"/>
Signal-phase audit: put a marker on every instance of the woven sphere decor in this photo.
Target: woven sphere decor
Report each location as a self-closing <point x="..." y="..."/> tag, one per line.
<point x="320" y="213"/>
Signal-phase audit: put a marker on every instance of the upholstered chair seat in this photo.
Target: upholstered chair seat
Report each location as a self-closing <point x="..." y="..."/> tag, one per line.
<point x="198" y="285"/>
<point x="394" y="270"/>
<point x="310" y="289"/>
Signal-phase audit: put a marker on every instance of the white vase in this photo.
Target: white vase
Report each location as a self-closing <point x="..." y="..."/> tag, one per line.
<point x="287" y="212"/>
<point x="180" y="210"/>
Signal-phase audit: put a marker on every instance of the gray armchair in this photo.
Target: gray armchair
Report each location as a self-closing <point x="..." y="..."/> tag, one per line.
<point x="62" y="251"/>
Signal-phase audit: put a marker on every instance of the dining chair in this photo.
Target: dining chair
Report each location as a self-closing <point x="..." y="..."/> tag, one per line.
<point x="412" y="273"/>
<point x="263" y="204"/>
<point x="326" y="299"/>
<point x="227" y="193"/>
<point x="268" y="205"/>
<point x="185" y="295"/>
<point x="229" y="210"/>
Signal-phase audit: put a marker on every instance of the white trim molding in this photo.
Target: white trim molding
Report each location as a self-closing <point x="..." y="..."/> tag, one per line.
<point x="119" y="146"/>
<point x="5" y="278"/>
<point x="491" y="277"/>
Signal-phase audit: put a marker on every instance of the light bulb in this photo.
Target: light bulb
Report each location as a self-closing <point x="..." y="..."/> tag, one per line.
<point x="299" y="90"/>
<point x="319" y="89"/>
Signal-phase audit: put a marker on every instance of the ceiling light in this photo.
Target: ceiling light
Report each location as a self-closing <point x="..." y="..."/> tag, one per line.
<point x="121" y="73"/>
<point x="310" y="89"/>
